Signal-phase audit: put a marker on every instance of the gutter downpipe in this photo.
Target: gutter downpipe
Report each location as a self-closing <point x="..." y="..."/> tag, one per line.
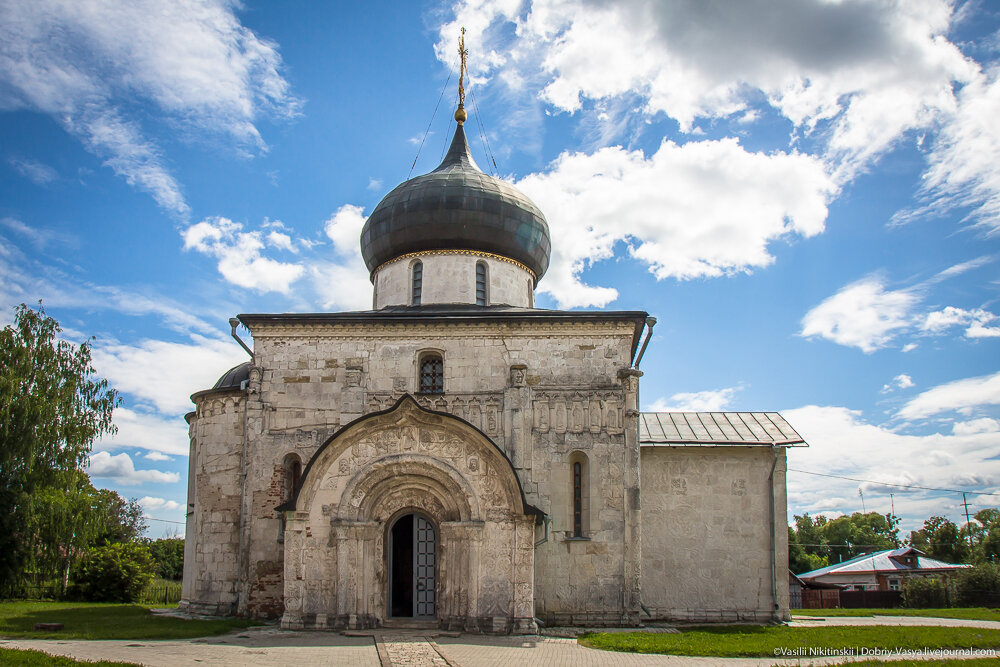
<point x="650" y="321"/>
<point x="545" y="522"/>
<point x="774" y="572"/>
<point x="235" y="322"/>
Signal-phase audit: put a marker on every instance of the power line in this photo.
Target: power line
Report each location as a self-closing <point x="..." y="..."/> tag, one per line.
<point x="902" y="486"/>
<point x="179" y="523"/>
<point x="427" y="131"/>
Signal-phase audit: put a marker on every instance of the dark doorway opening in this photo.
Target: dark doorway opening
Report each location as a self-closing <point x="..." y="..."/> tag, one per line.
<point x="412" y="568"/>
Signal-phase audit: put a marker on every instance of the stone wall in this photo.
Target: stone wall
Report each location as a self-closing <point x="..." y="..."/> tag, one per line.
<point x="211" y="549"/>
<point x="450" y="277"/>
<point x="706" y="547"/>
<point x="541" y="391"/>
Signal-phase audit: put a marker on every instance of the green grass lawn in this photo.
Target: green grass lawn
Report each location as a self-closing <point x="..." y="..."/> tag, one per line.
<point x="771" y="641"/>
<point x="89" y="620"/>
<point x="13" y="657"/>
<point x="971" y="613"/>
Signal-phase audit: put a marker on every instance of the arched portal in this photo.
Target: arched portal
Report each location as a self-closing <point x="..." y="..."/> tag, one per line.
<point x="412" y="550"/>
<point x="409" y="513"/>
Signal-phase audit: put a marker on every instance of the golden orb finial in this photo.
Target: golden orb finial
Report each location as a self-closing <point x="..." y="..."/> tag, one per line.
<point x="460" y="114"/>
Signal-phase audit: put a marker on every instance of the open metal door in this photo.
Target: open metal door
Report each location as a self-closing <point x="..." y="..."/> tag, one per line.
<point x="424" y="569"/>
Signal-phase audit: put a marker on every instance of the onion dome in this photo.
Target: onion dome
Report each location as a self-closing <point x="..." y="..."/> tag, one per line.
<point x="457" y="207"/>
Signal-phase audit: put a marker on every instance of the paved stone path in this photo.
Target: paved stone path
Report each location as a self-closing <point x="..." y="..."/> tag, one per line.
<point x="270" y="646"/>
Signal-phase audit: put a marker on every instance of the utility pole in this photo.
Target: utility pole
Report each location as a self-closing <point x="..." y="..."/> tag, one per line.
<point x="862" y="494"/>
<point x="968" y="521"/>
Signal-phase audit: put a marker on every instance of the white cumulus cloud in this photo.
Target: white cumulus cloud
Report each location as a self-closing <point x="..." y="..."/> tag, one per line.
<point x="860" y="72"/>
<point x="87" y="63"/>
<point x="976" y="322"/>
<point x="842" y="442"/>
<point x="157" y="434"/>
<point x="241" y="261"/>
<point x="713" y="400"/>
<point x="702" y="209"/>
<point x="151" y="504"/>
<point x="166" y="373"/>
<point x="863" y="314"/>
<point x="343" y="283"/>
<point x="963" y="396"/>
<point x="120" y="468"/>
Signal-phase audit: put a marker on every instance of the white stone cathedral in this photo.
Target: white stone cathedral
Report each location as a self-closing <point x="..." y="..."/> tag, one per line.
<point x="457" y="458"/>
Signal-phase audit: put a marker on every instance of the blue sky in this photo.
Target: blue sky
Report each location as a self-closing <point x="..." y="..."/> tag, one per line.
<point x="806" y="195"/>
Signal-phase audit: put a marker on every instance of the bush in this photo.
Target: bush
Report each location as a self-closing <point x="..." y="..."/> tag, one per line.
<point x="168" y="554"/>
<point x="114" y="573"/>
<point x="979" y="586"/>
<point x="924" y="593"/>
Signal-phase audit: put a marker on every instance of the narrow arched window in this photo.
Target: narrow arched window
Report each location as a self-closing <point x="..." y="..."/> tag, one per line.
<point x="431" y="374"/>
<point x="531" y="295"/>
<point x="577" y="499"/>
<point x="416" y="282"/>
<point x="481" y="294"/>
<point x="580" y="489"/>
<point x="292" y="466"/>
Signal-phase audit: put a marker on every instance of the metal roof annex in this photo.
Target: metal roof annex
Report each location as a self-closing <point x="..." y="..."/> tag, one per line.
<point x="718" y="429"/>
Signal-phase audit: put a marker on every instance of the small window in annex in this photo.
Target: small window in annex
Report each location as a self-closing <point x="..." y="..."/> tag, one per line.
<point x="431" y="374"/>
<point x="416" y="282"/>
<point x="481" y="293"/>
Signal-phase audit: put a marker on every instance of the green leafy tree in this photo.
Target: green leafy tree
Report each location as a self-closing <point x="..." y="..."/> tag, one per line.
<point x="941" y="539"/>
<point x="113" y="573"/>
<point x="979" y="586"/>
<point x="805" y="550"/>
<point x="52" y="408"/>
<point x="168" y="554"/>
<point x="72" y="516"/>
<point x="986" y="536"/>
<point x="857" y="534"/>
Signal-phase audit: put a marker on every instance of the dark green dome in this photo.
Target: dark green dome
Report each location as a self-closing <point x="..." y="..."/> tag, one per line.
<point x="457" y="207"/>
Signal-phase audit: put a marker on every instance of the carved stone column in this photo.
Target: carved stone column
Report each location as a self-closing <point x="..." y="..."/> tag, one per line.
<point x="524" y="576"/>
<point x="295" y="524"/>
<point x="355" y="550"/>
<point x="517" y="418"/>
<point x="460" y="551"/>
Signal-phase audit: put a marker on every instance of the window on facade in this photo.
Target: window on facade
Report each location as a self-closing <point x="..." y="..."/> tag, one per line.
<point x="293" y="473"/>
<point x="481" y="283"/>
<point x="580" y="484"/>
<point x="577" y="499"/>
<point x="894" y="584"/>
<point x="416" y="283"/>
<point x="431" y="374"/>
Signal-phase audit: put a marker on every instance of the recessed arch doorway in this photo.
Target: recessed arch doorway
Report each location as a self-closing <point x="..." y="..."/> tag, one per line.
<point x="413" y="556"/>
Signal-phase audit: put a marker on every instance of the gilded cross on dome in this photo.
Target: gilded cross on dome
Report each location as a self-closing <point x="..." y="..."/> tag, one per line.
<point x="460" y="114"/>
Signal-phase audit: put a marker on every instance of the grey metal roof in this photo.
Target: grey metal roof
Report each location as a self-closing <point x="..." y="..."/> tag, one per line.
<point x="884" y="562"/>
<point x="234" y="377"/>
<point x="457" y="207"/>
<point x="716" y="428"/>
<point x="230" y="380"/>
